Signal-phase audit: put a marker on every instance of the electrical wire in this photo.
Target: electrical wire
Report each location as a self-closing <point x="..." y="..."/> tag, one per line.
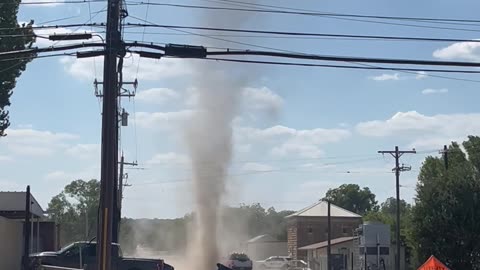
<point x="91" y="29"/>
<point x="58" y="2"/>
<point x="336" y="15"/>
<point x="61" y="19"/>
<point x="313" y="13"/>
<point x="323" y="37"/>
<point x="243" y="43"/>
<point x="285" y="170"/>
<point x="302" y="34"/>
<point x="345" y="66"/>
<point x="58" y="26"/>
<point x="143" y="38"/>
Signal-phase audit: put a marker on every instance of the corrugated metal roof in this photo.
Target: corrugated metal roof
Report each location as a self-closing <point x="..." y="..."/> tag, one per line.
<point x="263" y="238"/>
<point x="324" y="244"/>
<point x="320" y="209"/>
<point x="15" y="202"/>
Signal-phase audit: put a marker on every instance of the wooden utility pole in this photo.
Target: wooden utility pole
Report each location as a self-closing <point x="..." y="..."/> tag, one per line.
<point x="109" y="149"/>
<point x="397" y="154"/>
<point x="444" y="152"/>
<point x="121" y="185"/>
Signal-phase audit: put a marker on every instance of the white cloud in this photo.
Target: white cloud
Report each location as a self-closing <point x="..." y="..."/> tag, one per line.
<point x="31" y="142"/>
<point x="256" y="167"/>
<point x="57" y="175"/>
<point x="421" y="75"/>
<point x="84" y="151"/>
<point x="157" y="95"/>
<point x="430" y="91"/>
<point x="262" y="99"/>
<point x="170" y="158"/>
<point x="162" y="120"/>
<point x="192" y="96"/>
<point x="469" y="51"/>
<point x="10" y="185"/>
<point x="289" y="141"/>
<point x="86" y="174"/>
<point x="386" y="77"/>
<point x="5" y="158"/>
<point x="423" y="130"/>
<point x="149" y="69"/>
<point x="243" y="148"/>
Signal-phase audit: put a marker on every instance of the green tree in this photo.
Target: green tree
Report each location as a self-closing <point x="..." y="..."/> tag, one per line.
<point x="13" y="37"/>
<point x="447" y="209"/>
<point x="76" y="209"/>
<point x="353" y="198"/>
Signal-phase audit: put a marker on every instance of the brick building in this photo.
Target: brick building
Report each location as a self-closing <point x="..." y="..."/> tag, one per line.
<point x="309" y="226"/>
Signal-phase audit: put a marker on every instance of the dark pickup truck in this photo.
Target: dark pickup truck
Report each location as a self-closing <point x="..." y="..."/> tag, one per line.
<point x="80" y="254"/>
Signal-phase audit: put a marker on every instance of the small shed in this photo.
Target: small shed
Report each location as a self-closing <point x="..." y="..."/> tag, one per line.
<point x="264" y="246"/>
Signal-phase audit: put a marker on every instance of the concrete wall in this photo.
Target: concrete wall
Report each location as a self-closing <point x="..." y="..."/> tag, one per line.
<point x="263" y="250"/>
<point x="11" y="235"/>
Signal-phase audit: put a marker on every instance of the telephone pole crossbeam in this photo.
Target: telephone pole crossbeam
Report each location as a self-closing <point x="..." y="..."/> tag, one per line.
<point x="397" y="154"/>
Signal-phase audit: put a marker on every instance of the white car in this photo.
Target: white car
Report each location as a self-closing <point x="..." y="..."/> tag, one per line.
<point x="239" y="261"/>
<point x="298" y="265"/>
<point x="276" y="262"/>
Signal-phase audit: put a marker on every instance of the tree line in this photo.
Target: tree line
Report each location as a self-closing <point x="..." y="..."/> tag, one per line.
<point x="443" y="221"/>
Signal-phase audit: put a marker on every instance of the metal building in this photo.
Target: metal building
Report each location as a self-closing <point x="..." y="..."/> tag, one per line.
<point x="373" y="246"/>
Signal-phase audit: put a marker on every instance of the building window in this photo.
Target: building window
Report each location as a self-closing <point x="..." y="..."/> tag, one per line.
<point x="310" y="229"/>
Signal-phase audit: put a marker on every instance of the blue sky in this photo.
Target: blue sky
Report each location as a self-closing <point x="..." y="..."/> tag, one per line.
<point x="297" y="131"/>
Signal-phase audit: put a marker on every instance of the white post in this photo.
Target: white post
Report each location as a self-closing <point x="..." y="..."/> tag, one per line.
<point x="31" y="231"/>
<point x="378" y="252"/>
<point x="38" y="235"/>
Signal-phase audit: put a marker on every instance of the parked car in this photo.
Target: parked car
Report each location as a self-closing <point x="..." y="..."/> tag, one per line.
<point x="78" y="254"/>
<point x="298" y="265"/>
<point x="239" y="261"/>
<point x="275" y="262"/>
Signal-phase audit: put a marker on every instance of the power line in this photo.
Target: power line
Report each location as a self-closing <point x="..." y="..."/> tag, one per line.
<point x="143" y="37"/>
<point x="38" y="56"/>
<point x="58" y="26"/>
<point x="312" y="13"/>
<point x="324" y="37"/>
<point x="346" y="58"/>
<point x="59" y="2"/>
<point x="303" y="34"/>
<point x="345" y="66"/>
<point x="247" y="44"/>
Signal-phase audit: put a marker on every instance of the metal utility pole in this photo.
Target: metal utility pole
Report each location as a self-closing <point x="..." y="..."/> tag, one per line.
<point x="26" y="230"/>
<point x="329" y="237"/>
<point x="397" y="154"/>
<point x="109" y="152"/>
